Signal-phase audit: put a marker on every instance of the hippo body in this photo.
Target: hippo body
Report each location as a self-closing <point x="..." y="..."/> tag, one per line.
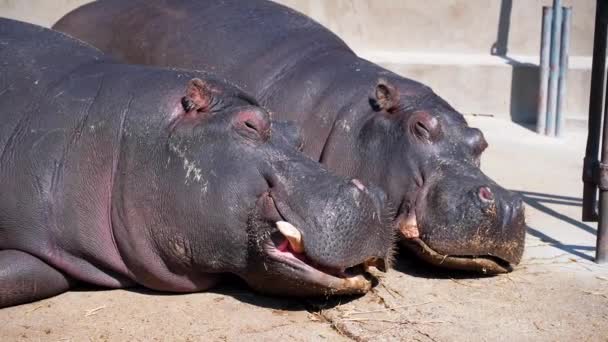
<point x="357" y="118"/>
<point x="120" y="175"/>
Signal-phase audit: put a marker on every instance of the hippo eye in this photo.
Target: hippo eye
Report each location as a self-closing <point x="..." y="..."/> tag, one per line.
<point x="253" y="124"/>
<point x="422" y="131"/>
<point x="249" y="130"/>
<point x="425" y="126"/>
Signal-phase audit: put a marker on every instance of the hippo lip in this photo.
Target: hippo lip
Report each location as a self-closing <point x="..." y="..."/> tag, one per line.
<point x="409" y="231"/>
<point x="347" y="280"/>
<point x="486" y="264"/>
<point x="350" y="280"/>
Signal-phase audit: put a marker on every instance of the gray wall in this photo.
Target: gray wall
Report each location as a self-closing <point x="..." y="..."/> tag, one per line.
<point x="41" y="12"/>
<point x="455" y="46"/>
<point x="454" y="26"/>
<point x="462" y="26"/>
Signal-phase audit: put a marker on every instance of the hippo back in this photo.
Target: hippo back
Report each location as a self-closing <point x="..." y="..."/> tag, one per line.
<point x="253" y="44"/>
<point x="30" y="65"/>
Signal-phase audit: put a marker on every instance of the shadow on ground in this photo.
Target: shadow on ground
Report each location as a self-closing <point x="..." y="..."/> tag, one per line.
<point x="408" y="263"/>
<point x="232" y="286"/>
<point x="236" y="288"/>
<point x="539" y="202"/>
<point x="405" y="262"/>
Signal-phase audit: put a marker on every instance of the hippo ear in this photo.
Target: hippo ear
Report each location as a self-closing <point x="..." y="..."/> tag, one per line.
<point x="198" y="96"/>
<point x="387" y="96"/>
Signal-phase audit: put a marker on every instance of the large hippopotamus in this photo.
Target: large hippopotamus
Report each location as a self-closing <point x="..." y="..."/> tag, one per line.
<point x="119" y="175"/>
<point x="357" y="118"/>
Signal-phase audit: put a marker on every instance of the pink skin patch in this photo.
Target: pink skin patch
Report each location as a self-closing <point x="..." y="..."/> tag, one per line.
<point x="410" y="231"/>
<point x="409" y="227"/>
<point x="358" y="184"/>
<point x="285" y="247"/>
<point x="485" y="194"/>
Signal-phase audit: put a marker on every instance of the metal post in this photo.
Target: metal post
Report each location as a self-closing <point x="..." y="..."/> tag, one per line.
<point x="601" y="254"/>
<point x="556" y="28"/>
<point x="595" y="175"/>
<point x="563" y="71"/>
<point x="595" y="113"/>
<point x="544" y="70"/>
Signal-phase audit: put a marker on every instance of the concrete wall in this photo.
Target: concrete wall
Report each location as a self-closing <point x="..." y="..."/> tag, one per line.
<point x="431" y="26"/>
<point x="480" y="55"/>
<point x="458" y="47"/>
<point x="41" y="12"/>
<point x="446" y="26"/>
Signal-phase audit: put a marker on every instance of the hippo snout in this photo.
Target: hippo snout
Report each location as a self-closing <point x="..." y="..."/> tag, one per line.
<point x="508" y="206"/>
<point x="351" y="226"/>
<point x="468" y="223"/>
<point x="327" y="232"/>
<point x="513" y="211"/>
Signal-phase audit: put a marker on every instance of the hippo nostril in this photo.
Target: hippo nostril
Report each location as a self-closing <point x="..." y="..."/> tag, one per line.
<point x="518" y="209"/>
<point x="358" y="184"/>
<point x="507" y="214"/>
<point x="518" y="206"/>
<point x="485" y="194"/>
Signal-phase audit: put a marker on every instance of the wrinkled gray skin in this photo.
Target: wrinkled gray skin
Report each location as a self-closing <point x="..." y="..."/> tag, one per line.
<point x="120" y="175"/>
<point x="358" y="119"/>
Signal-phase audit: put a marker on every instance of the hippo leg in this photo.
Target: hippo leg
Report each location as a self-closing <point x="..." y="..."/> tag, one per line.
<point x="25" y="278"/>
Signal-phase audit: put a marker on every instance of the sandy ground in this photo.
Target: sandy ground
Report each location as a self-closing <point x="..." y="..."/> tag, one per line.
<point x="556" y="294"/>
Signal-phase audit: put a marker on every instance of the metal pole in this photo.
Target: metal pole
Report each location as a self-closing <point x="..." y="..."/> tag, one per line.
<point x="595" y="113"/>
<point x="601" y="251"/>
<point x="541" y="118"/>
<point x="601" y="254"/>
<point x="563" y="71"/>
<point x="556" y="28"/>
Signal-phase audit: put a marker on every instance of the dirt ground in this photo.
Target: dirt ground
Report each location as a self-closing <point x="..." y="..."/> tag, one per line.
<point x="541" y="301"/>
<point x="556" y="294"/>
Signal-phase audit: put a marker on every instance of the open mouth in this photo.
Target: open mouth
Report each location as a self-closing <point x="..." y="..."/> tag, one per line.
<point x="286" y="246"/>
<point x="288" y="250"/>
<point x="486" y="264"/>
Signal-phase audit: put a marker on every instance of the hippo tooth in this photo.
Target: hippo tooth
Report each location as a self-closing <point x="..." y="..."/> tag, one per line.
<point x="409" y="227"/>
<point x="292" y="234"/>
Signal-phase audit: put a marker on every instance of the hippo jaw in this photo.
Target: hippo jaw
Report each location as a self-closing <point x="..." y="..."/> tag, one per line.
<point x="284" y="251"/>
<point x="493" y="238"/>
<point x="484" y="264"/>
<point x="351" y="280"/>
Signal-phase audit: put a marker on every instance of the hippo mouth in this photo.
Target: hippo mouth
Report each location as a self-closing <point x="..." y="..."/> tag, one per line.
<point x="285" y="248"/>
<point x="486" y="264"/>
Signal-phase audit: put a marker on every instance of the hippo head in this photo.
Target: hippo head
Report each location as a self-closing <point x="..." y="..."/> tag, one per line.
<point x="231" y="194"/>
<point x="425" y="156"/>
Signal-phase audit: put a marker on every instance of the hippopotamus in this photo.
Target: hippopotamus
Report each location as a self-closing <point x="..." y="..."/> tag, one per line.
<point x="357" y="118"/>
<point x="118" y="175"/>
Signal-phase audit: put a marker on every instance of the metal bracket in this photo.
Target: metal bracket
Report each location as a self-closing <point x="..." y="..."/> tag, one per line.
<point x="590" y="167"/>
<point x="602" y="176"/>
<point x="596" y="173"/>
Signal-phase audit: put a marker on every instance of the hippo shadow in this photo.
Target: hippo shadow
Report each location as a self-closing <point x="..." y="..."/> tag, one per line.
<point x="236" y="288"/>
<point x="407" y="262"/>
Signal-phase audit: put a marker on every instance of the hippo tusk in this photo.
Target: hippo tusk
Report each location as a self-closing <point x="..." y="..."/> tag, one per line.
<point x="409" y="227"/>
<point x="292" y="234"/>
